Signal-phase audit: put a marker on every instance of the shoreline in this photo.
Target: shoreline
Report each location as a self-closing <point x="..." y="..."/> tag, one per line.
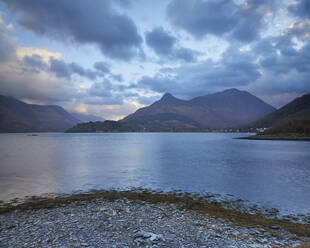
<point x="254" y="228"/>
<point x="271" y="137"/>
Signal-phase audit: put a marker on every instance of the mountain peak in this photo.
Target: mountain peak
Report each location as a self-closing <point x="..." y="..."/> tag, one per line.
<point x="166" y="96"/>
<point x="232" y="90"/>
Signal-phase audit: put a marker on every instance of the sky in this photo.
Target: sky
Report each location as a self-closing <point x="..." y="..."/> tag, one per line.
<point x="111" y="57"/>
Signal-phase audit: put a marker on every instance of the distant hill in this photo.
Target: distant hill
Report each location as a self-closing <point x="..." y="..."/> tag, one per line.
<point x="224" y="110"/>
<point x="17" y="116"/>
<point x="86" y="117"/>
<point x="294" y="117"/>
<point x="99" y="126"/>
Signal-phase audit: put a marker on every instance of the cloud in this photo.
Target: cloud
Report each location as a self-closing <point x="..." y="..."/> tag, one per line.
<point x="65" y="70"/>
<point x="123" y="3"/>
<point x="41" y="76"/>
<point x="286" y="68"/>
<point x="202" y="17"/>
<point x="160" y="41"/>
<point x="251" y="20"/>
<point x="7" y="44"/>
<point x="101" y="89"/>
<point x="30" y="51"/>
<point x="102" y="66"/>
<point x="103" y="69"/>
<point x="234" y="70"/>
<point x="104" y="92"/>
<point x="157" y="83"/>
<point x="300" y="8"/>
<point x="34" y="63"/>
<point x="34" y="86"/>
<point x="165" y="45"/>
<point x="60" y="68"/>
<point x="117" y="77"/>
<point x="24" y="73"/>
<point x="76" y="20"/>
<point x="242" y="22"/>
<point x="110" y="112"/>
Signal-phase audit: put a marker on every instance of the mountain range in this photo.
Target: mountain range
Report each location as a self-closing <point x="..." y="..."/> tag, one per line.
<point x="231" y="108"/>
<point x="18" y="116"/>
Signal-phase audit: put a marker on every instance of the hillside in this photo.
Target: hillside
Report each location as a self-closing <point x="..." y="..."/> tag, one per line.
<point x="17" y="116"/>
<point x="294" y="117"/>
<point x="224" y="110"/>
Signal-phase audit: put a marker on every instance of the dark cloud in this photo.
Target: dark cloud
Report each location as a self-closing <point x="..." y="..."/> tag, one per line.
<point x="60" y="68"/>
<point x="35" y="61"/>
<point x="281" y="54"/>
<point x="242" y="22"/>
<point x="274" y="66"/>
<point x="251" y="19"/>
<point x="76" y="68"/>
<point x="287" y="72"/>
<point x="185" y="54"/>
<point x="160" y="41"/>
<point x="202" y="17"/>
<point x="236" y="69"/>
<point x="301" y="8"/>
<point x="102" y="66"/>
<point x="65" y="70"/>
<point x="77" y="20"/>
<point x="165" y="45"/>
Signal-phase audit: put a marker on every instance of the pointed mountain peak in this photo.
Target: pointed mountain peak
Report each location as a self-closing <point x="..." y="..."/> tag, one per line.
<point x="232" y="90"/>
<point x="166" y="96"/>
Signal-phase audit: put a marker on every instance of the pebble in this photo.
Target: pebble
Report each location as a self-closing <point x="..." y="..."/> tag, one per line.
<point x="125" y="223"/>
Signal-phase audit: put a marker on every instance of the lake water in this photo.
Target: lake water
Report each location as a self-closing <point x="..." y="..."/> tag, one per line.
<point x="272" y="173"/>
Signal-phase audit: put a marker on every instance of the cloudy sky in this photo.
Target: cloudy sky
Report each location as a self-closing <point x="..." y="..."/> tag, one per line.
<point x="109" y="57"/>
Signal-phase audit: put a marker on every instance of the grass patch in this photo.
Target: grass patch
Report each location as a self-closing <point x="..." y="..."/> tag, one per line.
<point x="182" y="201"/>
<point x="306" y="245"/>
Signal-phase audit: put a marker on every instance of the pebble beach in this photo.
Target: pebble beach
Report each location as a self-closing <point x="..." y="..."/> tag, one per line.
<point x="127" y="223"/>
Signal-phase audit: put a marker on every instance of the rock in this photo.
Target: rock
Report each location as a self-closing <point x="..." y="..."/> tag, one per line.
<point x="275" y="227"/>
<point x="148" y="237"/>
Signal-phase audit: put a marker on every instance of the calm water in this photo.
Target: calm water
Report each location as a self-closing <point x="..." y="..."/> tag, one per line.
<point x="272" y="173"/>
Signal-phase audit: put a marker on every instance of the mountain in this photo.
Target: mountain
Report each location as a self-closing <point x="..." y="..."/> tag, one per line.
<point x="227" y="109"/>
<point x="223" y="110"/>
<point x="17" y="116"/>
<point x="86" y="117"/>
<point x="294" y="117"/>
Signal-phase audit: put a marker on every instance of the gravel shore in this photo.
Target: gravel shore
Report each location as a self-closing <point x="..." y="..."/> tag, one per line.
<point x="127" y="223"/>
